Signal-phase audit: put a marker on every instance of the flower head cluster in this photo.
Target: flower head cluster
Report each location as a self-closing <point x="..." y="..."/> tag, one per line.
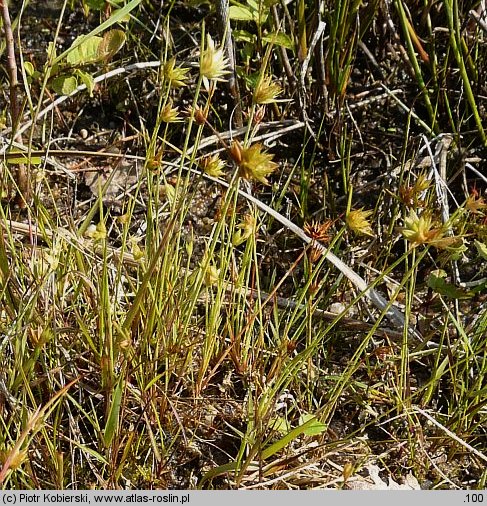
<point x="266" y="91"/>
<point x="170" y="114"/>
<point x="246" y="229"/>
<point x="212" y="165"/>
<point x="175" y="75"/>
<point x="475" y="203"/>
<point x="421" y="229"/>
<point x="358" y="222"/>
<point x="318" y="231"/>
<point x="414" y="195"/>
<point x="253" y="162"/>
<point x="213" y="64"/>
<point x="199" y="114"/>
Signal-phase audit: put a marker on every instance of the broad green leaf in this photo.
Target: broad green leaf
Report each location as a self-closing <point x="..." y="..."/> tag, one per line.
<point x="113" y="416"/>
<point x="53" y="70"/>
<point x="253" y="5"/>
<point x="85" y="52"/>
<point x="116" y="17"/>
<point x="288" y="438"/>
<point x="252" y="80"/>
<point x="111" y="44"/>
<point x="248" y="50"/>
<point x="241" y="13"/>
<point x="64" y="85"/>
<point x="281" y="425"/>
<point x="29" y="68"/>
<point x="313" y="425"/>
<point x="481" y="249"/>
<point x="260" y="11"/>
<point x="279" y="39"/>
<point x="243" y="36"/>
<point x="86" y="79"/>
<point x="437" y="282"/>
<point x="96" y="5"/>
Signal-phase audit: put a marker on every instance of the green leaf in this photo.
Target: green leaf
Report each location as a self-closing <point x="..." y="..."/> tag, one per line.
<point x="291" y="436"/>
<point x="314" y="427"/>
<point x="244" y="36"/>
<point x="90" y="451"/>
<point x="86" y="79"/>
<point x="96" y="5"/>
<point x="481" y="249"/>
<point x="281" y="425"/>
<point x="241" y="13"/>
<point x="123" y="19"/>
<point x="29" y="68"/>
<point x="54" y="70"/>
<point x="252" y="79"/>
<point x="111" y="44"/>
<point x="113" y="416"/>
<point x="16" y="157"/>
<point x="217" y="471"/>
<point x="249" y="12"/>
<point x="64" y="85"/>
<point x="84" y="52"/>
<point x="248" y="50"/>
<point x="436" y="281"/>
<point x="253" y="5"/>
<point x="279" y="39"/>
<point x="117" y="17"/>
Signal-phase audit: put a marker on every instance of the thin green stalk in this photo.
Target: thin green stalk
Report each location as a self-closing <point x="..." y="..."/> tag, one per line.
<point x="456" y="43"/>
<point x="416" y="67"/>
